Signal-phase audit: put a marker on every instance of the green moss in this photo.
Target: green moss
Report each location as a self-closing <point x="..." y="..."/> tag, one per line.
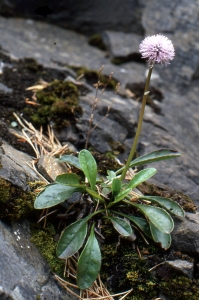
<point x="181" y="288"/>
<point x="15" y="204"/>
<point x="43" y="238"/>
<point x="97" y="41"/>
<point x="93" y="76"/>
<point x="57" y="103"/>
<point x="105" y="162"/>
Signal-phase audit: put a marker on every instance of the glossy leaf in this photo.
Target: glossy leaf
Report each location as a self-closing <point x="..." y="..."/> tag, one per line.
<point x="89" y="167"/>
<point x="168" y="204"/>
<point x="89" y="263"/>
<point x="71" y="160"/>
<point x="141" y="223"/>
<point x="111" y="175"/>
<point x="68" y="178"/>
<point x="158" y="216"/>
<point x="121" y="225"/>
<point x="72" y="239"/>
<point x="164" y="239"/>
<point x="120" y="197"/>
<point x="162" y="154"/>
<point x="116" y="186"/>
<point x="53" y="194"/>
<point x="141" y="176"/>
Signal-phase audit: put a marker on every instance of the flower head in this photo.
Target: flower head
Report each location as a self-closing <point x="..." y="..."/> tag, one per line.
<point x="157" y="48"/>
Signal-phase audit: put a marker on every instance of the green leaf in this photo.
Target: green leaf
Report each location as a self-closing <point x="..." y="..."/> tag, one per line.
<point x="89" y="167"/>
<point x="162" y="154"/>
<point x="53" y="194"/>
<point x="160" y="237"/>
<point x="72" y="238"/>
<point x="116" y="186"/>
<point x="89" y="263"/>
<point x="121" y="225"/>
<point x="72" y="160"/>
<point x="120" y="197"/>
<point x="141" y="177"/>
<point x="168" y="204"/>
<point x="158" y="216"/>
<point x="111" y="175"/>
<point x="141" y="223"/>
<point x="94" y="194"/>
<point x="68" y="178"/>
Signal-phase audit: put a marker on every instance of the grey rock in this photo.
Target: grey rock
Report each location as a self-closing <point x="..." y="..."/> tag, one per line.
<point x="87" y="16"/>
<point x="24" y="273"/>
<point x="185" y="236"/>
<point x="15" y="167"/>
<point x="120" y="44"/>
<point x="50" y="167"/>
<point x="182" y="266"/>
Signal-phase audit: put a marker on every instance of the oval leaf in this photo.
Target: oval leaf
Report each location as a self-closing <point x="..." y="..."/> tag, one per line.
<point x="168" y="204"/>
<point x="120" y="197"/>
<point x="158" y="216"/>
<point x="53" y="194"/>
<point x="141" y="177"/>
<point x="72" y="239"/>
<point x="164" y="239"/>
<point x="89" y="263"/>
<point x="68" y="178"/>
<point x="89" y="167"/>
<point x="162" y="154"/>
<point x="72" y="160"/>
<point x="116" y="186"/>
<point x="121" y="225"/>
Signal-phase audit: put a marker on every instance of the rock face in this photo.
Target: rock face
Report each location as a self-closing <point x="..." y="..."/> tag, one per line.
<point x="86" y="16"/>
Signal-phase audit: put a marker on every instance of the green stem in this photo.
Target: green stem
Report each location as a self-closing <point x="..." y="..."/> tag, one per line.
<point x="139" y="127"/>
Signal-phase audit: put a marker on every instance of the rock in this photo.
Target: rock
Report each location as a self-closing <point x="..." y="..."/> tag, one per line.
<point x="89" y="17"/>
<point x="182" y="266"/>
<point x="14" y="167"/>
<point x="185" y="236"/>
<point x="26" y="276"/>
<point x="50" y="168"/>
<point x="121" y="45"/>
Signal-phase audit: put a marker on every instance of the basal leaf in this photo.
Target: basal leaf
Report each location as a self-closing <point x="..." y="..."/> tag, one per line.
<point x="53" y="194"/>
<point x="72" y="238"/>
<point x="89" y="263"/>
<point x="141" y="176"/>
<point x="162" y="154"/>
<point x="158" y="216"/>
<point x="116" y="186"/>
<point x="121" y="225"/>
<point x="94" y="194"/>
<point x="72" y="160"/>
<point x="111" y="175"/>
<point x="120" y="197"/>
<point x="168" y="204"/>
<point x="164" y="239"/>
<point x="89" y="167"/>
<point x="68" y="178"/>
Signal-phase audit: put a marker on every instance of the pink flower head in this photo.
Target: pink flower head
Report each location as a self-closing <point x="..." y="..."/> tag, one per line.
<point x="157" y="48"/>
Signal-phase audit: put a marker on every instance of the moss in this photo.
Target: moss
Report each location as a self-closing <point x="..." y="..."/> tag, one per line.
<point x="180" y="288"/>
<point x="15" y="204"/>
<point x="57" y="103"/>
<point x="43" y="238"/>
<point x="93" y="76"/>
<point x="97" y="41"/>
<point x="116" y="147"/>
<point x="186" y="202"/>
<point x="105" y="162"/>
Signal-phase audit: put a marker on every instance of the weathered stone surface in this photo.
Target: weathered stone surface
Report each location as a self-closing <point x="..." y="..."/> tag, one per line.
<point x="185" y="236"/>
<point x="24" y="273"/>
<point x="86" y="16"/>
<point x="182" y="266"/>
<point x="120" y="44"/>
<point x="14" y="167"/>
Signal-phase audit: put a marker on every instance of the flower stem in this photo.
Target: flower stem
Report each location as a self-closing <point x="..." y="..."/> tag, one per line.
<point x="139" y="127"/>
